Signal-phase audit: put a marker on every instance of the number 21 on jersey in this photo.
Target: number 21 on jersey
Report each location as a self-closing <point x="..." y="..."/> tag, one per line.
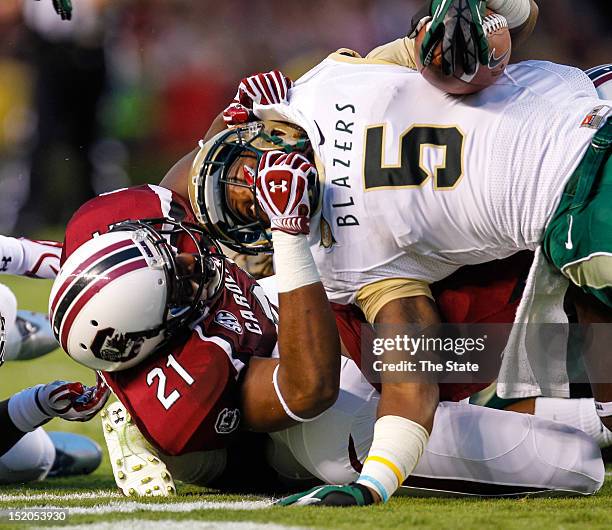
<point x="425" y="151"/>
<point x="157" y="373"/>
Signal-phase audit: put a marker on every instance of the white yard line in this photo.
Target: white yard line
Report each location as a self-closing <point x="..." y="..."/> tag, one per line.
<point x="59" y="497"/>
<point x="179" y="507"/>
<point x="180" y="525"/>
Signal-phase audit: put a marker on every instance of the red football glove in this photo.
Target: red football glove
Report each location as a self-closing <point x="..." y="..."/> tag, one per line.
<point x="73" y="401"/>
<point x="282" y="191"/>
<point x="264" y="89"/>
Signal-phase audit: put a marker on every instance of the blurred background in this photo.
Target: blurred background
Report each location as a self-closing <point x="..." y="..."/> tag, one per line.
<point x="120" y="92"/>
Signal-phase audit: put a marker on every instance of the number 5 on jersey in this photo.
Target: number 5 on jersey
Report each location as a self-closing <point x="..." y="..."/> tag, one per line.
<point x="413" y="170"/>
<point x="157" y="373"/>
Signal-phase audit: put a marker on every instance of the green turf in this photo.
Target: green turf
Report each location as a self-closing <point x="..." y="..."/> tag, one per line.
<point x="530" y="513"/>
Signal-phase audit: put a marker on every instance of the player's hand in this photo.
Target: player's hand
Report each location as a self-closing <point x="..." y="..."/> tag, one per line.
<point x="73" y="401"/>
<point x="265" y="89"/>
<point x="42" y="258"/>
<point x="63" y="8"/>
<point x="349" y="495"/>
<point x="282" y="190"/>
<point x="457" y="24"/>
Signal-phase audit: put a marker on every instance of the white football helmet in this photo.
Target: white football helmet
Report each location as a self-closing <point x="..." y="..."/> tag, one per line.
<point x="123" y="294"/>
<point x="602" y="79"/>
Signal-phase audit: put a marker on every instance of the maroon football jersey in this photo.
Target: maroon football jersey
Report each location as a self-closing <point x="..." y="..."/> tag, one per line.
<point x="185" y="397"/>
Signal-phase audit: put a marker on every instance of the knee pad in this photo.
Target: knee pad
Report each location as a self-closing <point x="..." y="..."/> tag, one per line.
<point x="30" y="459"/>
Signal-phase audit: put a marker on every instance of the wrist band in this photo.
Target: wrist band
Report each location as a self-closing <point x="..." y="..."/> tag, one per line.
<point x="293" y="262"/>
<point x="286" y="408"/>
<point x="516" y="12"/>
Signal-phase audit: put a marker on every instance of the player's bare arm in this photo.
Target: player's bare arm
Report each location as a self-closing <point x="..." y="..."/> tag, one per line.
<point x="308" y="368"/>
<point x="306" y="380"/>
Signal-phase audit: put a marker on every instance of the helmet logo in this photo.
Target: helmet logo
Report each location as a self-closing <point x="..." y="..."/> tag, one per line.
<point x="228" y="321"/>
<point x="109" y="345"/>
<point x="227" y="421"/>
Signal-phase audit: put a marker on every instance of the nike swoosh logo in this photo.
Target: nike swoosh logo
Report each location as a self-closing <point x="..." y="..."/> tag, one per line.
<point x="568" y="244"/>
<point x="310" y="498"/>
<point x="321" y="135"/>
<point x="494" y="62"/>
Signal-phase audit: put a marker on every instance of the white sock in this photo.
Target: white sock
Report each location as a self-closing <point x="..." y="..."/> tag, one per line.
<point x="579" y="413"/>
<point x="25" y="410"/>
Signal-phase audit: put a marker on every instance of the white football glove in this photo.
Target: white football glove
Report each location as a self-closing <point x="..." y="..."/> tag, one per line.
<point x="42" y="258"/>
<point x="265" y="89"/>
<point x="282" y="190"/>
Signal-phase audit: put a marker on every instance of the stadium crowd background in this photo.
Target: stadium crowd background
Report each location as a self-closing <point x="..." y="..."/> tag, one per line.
<point x="140" y="80"/>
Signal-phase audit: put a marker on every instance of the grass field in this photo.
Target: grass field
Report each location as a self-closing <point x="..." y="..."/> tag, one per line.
<point x="93" y="502"/>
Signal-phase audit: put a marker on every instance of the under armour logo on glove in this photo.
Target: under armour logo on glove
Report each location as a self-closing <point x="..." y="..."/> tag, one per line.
<point x="265" y="89"/>
<point x="282" y="190"/>
<point x="274" y="187"/>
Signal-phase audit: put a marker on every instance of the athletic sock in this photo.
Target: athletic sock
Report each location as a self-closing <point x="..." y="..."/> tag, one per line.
<point x="579" y="413"/>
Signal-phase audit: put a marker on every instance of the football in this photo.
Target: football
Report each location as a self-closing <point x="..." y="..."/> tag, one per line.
<point x="500" y="48"/>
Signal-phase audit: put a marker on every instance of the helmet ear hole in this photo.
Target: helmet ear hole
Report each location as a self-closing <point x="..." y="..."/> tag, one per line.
<point x="83" y="347"/>
<point x="94" y="323"/>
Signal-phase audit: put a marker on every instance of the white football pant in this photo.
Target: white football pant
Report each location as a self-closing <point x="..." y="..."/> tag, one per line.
<point x="472" y="449"/>
<point x="29" y="459"/>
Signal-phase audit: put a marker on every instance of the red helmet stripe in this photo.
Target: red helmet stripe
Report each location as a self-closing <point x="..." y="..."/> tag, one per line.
<point x="92" y="289"/>
<point x="83" y="266"/>
<point x="603" y="79"/>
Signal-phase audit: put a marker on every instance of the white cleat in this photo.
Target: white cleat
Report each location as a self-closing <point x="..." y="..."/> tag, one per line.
<point x="138" y="470"/>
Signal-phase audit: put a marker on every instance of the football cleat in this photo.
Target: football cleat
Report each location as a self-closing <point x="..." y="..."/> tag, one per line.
<point x="31" y="337"/>
<point x="138" y="470"/>
<point x="74" y="454"/>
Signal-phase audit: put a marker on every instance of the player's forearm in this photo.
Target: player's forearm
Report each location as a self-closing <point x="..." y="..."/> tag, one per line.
<point x="310" y="350"/>
<point x="309" y="345"/>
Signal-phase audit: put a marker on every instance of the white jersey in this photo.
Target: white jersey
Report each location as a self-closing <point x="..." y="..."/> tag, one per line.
<point x="418" y="183"/>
